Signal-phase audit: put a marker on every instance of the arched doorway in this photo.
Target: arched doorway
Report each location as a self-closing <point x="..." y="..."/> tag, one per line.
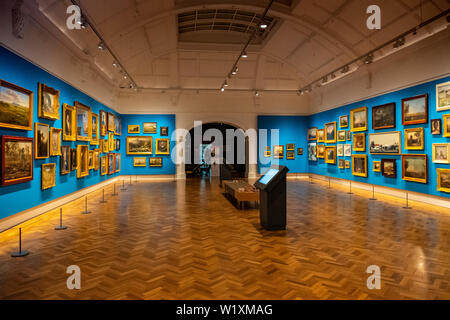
<point x="197" y="151"/>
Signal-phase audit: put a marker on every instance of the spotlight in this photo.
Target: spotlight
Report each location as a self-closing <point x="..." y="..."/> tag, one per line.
<point x="115" y="64"/>
<point x="244" y="55"/>
<point x="82" y="22"/>
<point x="222" y="89"/>
<point x="256" y="93"/>
<point x="235" y="71"/>
<point x="125" y="76"/>
<point x="225" y="84"/>
<point x="333" y="76"/>
<point x="101" y="46"/>
<point x="368" y="59"/>
<point x="325" y="79"/>
<point x="345" y="69"/>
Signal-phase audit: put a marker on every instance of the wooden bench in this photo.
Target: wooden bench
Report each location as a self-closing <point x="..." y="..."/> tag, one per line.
<point x="239" y="191"/>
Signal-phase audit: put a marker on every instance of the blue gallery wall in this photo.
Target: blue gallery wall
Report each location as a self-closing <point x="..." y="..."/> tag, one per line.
<point x="319" y="120"/>
<point x="127" y="160"/>
<point x="292" y="129"/>
<point x="16" y="198"/>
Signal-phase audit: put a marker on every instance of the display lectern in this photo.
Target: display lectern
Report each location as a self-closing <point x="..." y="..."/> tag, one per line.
<point x="272" y="198"/>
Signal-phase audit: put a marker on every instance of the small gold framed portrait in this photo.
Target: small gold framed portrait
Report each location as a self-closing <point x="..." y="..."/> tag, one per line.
<point x="341" y="164"/>
<point x="42" y="140"/>
<point x="134" y="129"/>
<point x="359" y="167"/>
<point x="278" y="152"/>
<point x="95" y="136"/>
<point x="330" y="132"/>
<point x="358" y="119"/>
<point x="377" y="166"/>
<point x="321" y="135"/>
<point x="69" y="123"/>
<point x="443" y="180"/>
<point x="441" y="153"/>
<point x="162" y="146"/>
<point x="359" y="142"/>
<point x="290" y="147"/>
<point x="48" y="102"/>
<point x="82" y="161"/>
<point x="139" y="162"/>
<point x="84" y="125"/>
<point x="414" y="139"/>
<point x="55" y="142"/>
<point x="48" y="176"/>
<point x="330" y="154"/>
<point x="347" y="164"/>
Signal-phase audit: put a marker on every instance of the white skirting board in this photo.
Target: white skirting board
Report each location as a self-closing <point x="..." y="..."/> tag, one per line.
<point x="21" y="217"/>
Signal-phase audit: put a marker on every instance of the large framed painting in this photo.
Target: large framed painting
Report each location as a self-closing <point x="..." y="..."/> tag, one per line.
<point x="139" y="162"/>
<point x="359" y="165"/>
<point x="320" y="135"/>
<point x="330" y="132"/>
<point x="48" y="176"/>
<point x="443" y="180"/>
<point x="117" y="163"/>
<point x="82" y="161"/>
<point x="104" y="165"/>
<point x="340" y="150"/>
<point x="389" y="168"/>
<point x="312" y="133"/>
<point x="16" y="106"/>
<point x="48" y="102"/>
<point x="443" y="96"/>
<point x="278" y="152"/>
<point x="55" y="142"/>
<point x="141" y="145"/>
<point x="330" y="154"/>
<point x="111" y="163"/>
<point x="84" y="125"/>
<point x="347" y="150"/>
<point x="134" y="129"/>
<point x="64" y="164"/>
<point x="17" y="160"/>
<point x="117" y="126"/>
<point x="69" y="123"/>
<point x="95" y="138"/>
<point x="436" y="127"/>
<point x="383" y="117"/>
<point x="415" y="167"/>
<point x="312" y="151"/>
<point x="415" y="110"/>
<point x="156" y="162"/>
<point x="73" y="159"/>
<point x="414" y="139"/>
<point x="149" y="127"/>
<point x="103" y="123"/>
<point x="343" y="121"/>
<point x="42" y="140"/>
<point x="321" y="151"/>
<point x="385" y="143"/>
<point x="111" y="122"/>
<point x="341" y="136"/>
<point x="446" y="125"/>
<point x="359" y="142"/>
<point x="441" y="153"/>
<point x="358" y="118"/>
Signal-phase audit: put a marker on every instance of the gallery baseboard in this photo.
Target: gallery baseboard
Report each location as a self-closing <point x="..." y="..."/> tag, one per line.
<point x="21" y="217"/>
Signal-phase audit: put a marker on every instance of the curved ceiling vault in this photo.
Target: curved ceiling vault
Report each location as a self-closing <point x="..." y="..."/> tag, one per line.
<point x="189" y="44"/>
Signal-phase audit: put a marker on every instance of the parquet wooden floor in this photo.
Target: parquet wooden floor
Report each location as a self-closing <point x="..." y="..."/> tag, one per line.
<point x="185" y="240"/>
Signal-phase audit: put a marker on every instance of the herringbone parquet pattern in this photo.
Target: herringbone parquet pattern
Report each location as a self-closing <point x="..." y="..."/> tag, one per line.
<point x="185" y="240"/>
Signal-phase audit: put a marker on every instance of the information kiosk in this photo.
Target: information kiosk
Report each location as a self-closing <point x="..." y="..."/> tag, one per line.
<point x="272" y="198"/>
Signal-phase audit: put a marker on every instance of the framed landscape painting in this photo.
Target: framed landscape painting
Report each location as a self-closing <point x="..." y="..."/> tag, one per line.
<point x="111" y="122"/>
<point x="443" y="96"/>
<point x="141" y="145"/>
<point x="42" y="140"/>
<point x="16" y="107"/>
<point x="330" y="132"/>
<point x="48" y="178"/>
<point x="414" y="139"/>
<point x="48" y="102"/>
<point x="415" y="110"/>
<point x="358" y="118"/>
<point x="383" y="117"/>
<point x="415" y="167"/>
<point x="299" y="151"/>
<point x="156" y="162"/>
<point x="359" y="165"/>
<point x="389" y="168"/>
<point x="117" y="163"/>
<point x="343" y="121"/>
<point x="443" y="180"/>
<point x="96" y="159"/>
<point x="134" y="129"/>
<point x="139" y="162"/>
<point x="341" y="136"/>
<point x="69" y="123"/>
<point x="441" y="153"/>
<point x="84" y="125"/>
<point x="290" y="147"/>
<point x="330" y="154"/>
<point x="16" y="160"/>
<point x="117" y="125"/>
<point x="55" y="142"/>
<point x="347" y="164"/>
<point x="312" y="133"/>
<point x="385" y="143"/>
<point x="149" y="127"/>
<point x="111" y="163"/>
<point x="341" y="164"/>
<point x="290" y="155"/>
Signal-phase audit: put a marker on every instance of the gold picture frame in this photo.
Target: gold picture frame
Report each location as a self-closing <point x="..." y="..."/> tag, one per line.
<point x="95" y="129"/>
<point x="278" y="152"/>
<point x="321" y="151"/>
<point x="341" y="136"/>
<point x="347" y="164"/>
<point x="359" y="165"/>
<point x="42" y="140"/>
<point x="134" y="129"/>
<point x="150" y="127"/>
<point x="341" y="164"/>
<point x="446" y="124"/>
<point x="376" y="166"/>
<point x="320" y="135"/>
<point x="155" y="162"/>
<point x="82" y="161"/>
<point x="139" y="145"/>
<point x="162" y="146"/>
<point x="444" y="153"/>
<point x="421" y="176"/>
<point x="442" y="185"/>
<point x="414" y="139"/>
<point x="17" y="112"/>
<point x="385" y="143"/>
<point x="330" y="132"/>
<point x="48" y="176"/>
<point x="343" y="121"/>
<point x="312" y="134"/>
<point x="84" y="123"/>
<point x="117" y="163"/>
<point x="104" y="165"/>
<point x="55" y="142"/>
<point x="290" y="155"/>
<point x="48" y="102"/>
<point x="330" y="154"/>
<point x="69" y="123"/>
<point x="111" y="141"/>
<point x="359" y="142"/>
<point x="103" y="123"/>
<point x="442" y="96"/>
<point x="290" y="147"/>
<point x="359" y="119"/>
<point x="111" y="122"/>
<point x="139" y="162"/>
<point x="96" y="159"/>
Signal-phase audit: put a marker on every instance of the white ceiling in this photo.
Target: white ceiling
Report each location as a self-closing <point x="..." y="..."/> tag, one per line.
<point x="311" y="38"/>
